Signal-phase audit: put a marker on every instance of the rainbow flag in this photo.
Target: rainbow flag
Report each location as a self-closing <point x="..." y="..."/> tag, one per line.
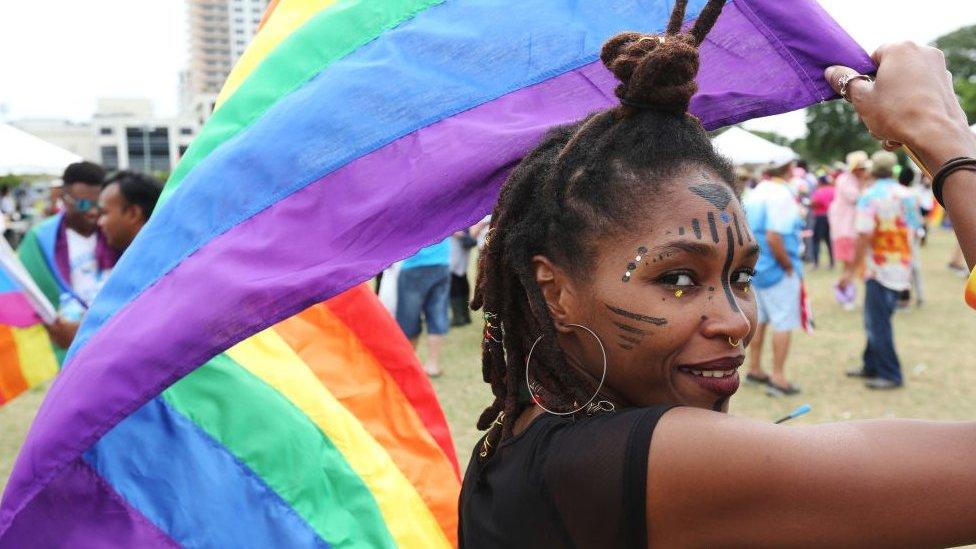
<point x="350" y="135"/>
<point x="27" y="357"/>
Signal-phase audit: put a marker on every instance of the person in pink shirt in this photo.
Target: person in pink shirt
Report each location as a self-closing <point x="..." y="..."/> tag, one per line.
<point x="841" y="215"/>
<point x="820" y="202"/>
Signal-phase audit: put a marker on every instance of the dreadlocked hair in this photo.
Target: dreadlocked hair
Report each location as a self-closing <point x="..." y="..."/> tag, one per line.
<point x="583" y="182"/>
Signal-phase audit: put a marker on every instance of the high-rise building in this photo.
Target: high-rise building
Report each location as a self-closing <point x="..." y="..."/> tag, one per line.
<point x="219" y="32"/>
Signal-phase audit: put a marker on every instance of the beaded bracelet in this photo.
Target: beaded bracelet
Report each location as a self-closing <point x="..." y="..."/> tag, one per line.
<point x="958" y="163"/>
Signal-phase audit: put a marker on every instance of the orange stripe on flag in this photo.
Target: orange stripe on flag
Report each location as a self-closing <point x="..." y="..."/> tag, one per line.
<point x="12" y="381"/>
<point x="363" y="314"/>
<point x="267" y="13"/>
<point x="350" y="372"/>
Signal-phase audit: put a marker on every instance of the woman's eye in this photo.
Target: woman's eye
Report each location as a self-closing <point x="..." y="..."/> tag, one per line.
<point x="742" y="277"/>
<point x="678" y="279"/>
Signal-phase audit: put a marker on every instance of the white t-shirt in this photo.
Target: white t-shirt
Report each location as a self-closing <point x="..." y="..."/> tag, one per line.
<point x="86" y="279"/>
<point x="7" y="205"/>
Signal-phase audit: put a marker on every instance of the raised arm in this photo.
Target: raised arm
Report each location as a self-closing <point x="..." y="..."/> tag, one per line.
<point x="719" y="480"/>
<point x="912" y="102"/>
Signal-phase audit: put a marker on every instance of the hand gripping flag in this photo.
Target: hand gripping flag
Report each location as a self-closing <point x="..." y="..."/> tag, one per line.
<point x="349" y="135"/>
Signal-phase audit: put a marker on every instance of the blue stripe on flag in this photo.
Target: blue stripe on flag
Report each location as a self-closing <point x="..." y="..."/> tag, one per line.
<point x="191" y="487"/>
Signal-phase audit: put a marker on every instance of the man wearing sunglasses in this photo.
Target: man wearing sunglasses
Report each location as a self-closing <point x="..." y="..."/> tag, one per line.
<point x="67" y="255"/>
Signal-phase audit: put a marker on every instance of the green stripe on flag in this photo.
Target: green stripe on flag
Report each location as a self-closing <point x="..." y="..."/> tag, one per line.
<point x="32" y="256"/>
<point x="338" y="31"/>
<point x="280" y="443"/>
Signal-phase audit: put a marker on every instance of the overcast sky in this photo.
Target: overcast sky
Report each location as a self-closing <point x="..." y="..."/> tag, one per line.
<point x="57" y="56"/>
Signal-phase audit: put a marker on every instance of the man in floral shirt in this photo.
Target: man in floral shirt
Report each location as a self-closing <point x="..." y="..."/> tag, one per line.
<point x="887" y="217"/>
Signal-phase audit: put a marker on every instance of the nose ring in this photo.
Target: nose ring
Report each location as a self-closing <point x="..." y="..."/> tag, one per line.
<point x="734" y="343"/>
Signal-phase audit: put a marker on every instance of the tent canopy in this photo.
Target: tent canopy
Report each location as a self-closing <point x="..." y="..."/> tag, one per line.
<point x="743" y="147"/>
<point x="24" y="154"/>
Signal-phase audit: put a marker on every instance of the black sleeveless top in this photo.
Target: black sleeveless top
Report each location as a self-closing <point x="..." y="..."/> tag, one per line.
<point x="562" y="482"/>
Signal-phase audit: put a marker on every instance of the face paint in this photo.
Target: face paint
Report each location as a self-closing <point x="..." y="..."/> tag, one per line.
<point x="629" y="328"/>
<point x="724" y="216"/>
<point x="738" y="230"/>
<point x="726" y="285"/>
<point x="697" y="228"/>
<point x="631" y="340"/>
<point x="638" y="317"/>
<point x="633" y="264"/>
<point x="681" y="231"/>
<point x="716" y="195"/>
<point x="712" y="227"/>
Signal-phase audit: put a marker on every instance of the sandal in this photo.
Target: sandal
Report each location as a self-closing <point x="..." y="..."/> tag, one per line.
<point x="777" y="391"/>
<point x="750" y="378"/>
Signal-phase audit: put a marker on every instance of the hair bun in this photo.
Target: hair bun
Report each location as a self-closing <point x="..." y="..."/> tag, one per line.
<point x="655" y="72"/>
<point x="658" y="71"/>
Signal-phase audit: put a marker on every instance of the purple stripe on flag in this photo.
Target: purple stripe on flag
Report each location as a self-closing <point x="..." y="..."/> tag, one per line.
<point x="348" y="225"/>
<point x="16" y="311"/>
<point x="79" y="509"/>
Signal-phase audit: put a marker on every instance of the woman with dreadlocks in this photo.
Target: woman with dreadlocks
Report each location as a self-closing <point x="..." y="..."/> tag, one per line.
<point x="615" y="288"/>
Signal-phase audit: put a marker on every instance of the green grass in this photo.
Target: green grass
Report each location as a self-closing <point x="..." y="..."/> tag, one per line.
<point x="933" y="342"/>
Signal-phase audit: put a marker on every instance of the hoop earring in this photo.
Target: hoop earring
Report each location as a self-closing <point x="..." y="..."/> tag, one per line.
<point x="528" y="360"/>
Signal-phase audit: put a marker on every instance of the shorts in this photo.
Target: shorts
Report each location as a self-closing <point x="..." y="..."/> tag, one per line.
<point x="844" y="248"/>
<point x="423" y="290"/>
<point x="779" y="304"/>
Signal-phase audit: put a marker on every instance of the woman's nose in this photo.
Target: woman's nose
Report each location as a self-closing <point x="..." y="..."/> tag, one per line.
<point x="727" y="318"/>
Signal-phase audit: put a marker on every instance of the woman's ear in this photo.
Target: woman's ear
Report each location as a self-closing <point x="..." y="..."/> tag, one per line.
<point x="556" y="290"/>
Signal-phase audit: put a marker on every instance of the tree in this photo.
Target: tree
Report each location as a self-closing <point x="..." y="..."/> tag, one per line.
<point x="833" y="130"/>
<point x="959" y="48"/>
<point x="774" y="137"/>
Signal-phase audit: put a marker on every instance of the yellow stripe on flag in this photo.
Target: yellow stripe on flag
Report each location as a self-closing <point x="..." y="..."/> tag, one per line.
<point x="287" y="17"/>
<point x="410" y="522"/>
<point x="37" y="360"/>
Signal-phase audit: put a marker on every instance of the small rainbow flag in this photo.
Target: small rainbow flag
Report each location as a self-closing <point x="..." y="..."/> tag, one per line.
<point x="191" y="411"/>
<point x="27" y="357"/>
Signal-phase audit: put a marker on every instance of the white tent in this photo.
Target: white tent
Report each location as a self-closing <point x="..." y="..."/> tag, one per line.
<point x="24" y="154"/>
<point x="742" y="147"/>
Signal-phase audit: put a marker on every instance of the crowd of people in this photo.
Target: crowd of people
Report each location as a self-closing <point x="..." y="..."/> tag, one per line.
<point x="870" y="215"/>
<point x="94" y="217"/>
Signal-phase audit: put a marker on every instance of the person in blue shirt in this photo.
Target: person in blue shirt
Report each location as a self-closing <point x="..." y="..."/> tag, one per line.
<point x="423" y="288"/>
<point x="775" y="218"/>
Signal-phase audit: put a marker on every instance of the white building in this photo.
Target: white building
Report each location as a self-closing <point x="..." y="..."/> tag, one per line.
<point x="128" y="136"/>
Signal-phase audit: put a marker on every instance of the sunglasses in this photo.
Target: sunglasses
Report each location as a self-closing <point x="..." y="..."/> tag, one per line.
<point x="83" y="205"/>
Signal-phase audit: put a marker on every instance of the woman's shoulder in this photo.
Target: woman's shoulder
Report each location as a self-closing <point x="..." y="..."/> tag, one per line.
<point x="559" y="431"/>
<point x="581" y="480"/>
